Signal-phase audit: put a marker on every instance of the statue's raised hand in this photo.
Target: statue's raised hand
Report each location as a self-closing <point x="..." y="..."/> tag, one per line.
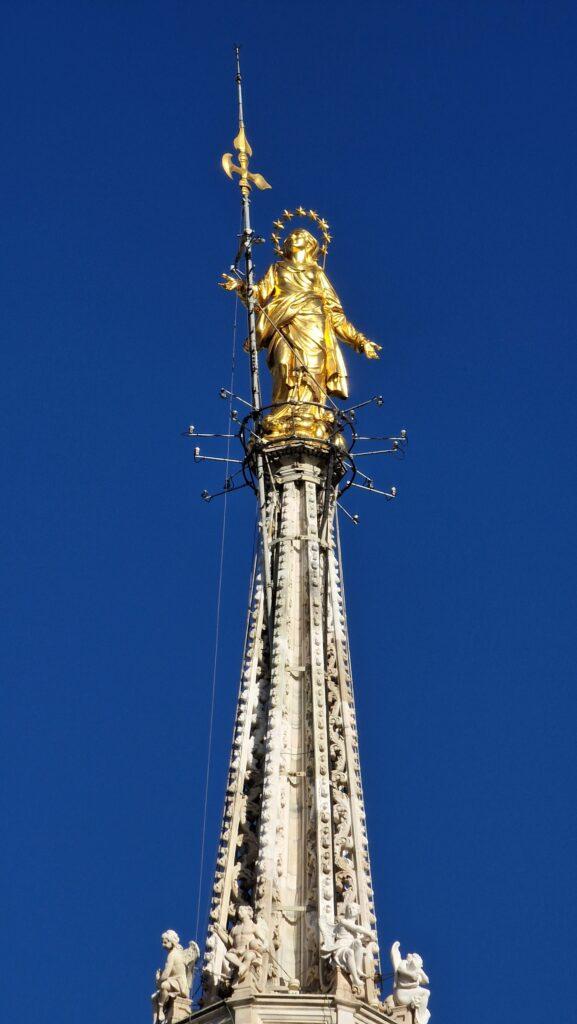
<point x="230" y="284"/>
<point x="371" y="349"/>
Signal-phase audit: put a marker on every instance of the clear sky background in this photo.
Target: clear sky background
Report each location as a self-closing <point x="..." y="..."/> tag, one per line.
<point x="439" y="140"/>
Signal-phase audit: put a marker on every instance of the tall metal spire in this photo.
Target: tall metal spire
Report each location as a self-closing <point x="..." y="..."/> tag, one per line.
<point x="246" y="180"/>
<point x="239" y="85"/>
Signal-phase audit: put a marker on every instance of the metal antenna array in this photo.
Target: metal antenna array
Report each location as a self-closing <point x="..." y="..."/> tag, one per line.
<point x="353" y="477"/>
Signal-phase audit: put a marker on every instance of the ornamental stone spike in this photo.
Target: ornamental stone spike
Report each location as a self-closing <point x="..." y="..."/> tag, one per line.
<point x="293" y="845"/>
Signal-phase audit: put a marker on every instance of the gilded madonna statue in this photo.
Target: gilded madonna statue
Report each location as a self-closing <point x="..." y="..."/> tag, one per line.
<point x="299" y="321"/>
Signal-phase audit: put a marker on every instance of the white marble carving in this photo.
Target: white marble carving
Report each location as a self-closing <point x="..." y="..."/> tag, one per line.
<point x="246" y="943"/>
<point x="408" y="985"/>
<point x="293" y="845"/>
<point x="352" y="865"/>
<point x="347" y="943"/>
<point x="174" y="980"/>
<point x="235" y="868"/>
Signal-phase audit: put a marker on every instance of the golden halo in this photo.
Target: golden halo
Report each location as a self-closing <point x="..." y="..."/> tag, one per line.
<point x="287" y="215"/>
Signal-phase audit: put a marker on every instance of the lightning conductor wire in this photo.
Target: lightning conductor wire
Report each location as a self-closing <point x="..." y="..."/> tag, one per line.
<point x="217" y="624"/>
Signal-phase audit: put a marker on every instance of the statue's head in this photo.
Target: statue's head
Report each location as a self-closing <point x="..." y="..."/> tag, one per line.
<point x="244" y="912"/>
<point x="300" y="242"/>
<point x="415" y="961"/>
<point x="352" y="910"/>
<point x="170" y="939"/>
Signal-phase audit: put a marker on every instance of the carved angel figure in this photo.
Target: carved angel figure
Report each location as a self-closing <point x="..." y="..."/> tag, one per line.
<point x="175" y="979"/>
<point x="346" y="943"/>
<point x="408" y="984"/>
<point x="246" y="941"/>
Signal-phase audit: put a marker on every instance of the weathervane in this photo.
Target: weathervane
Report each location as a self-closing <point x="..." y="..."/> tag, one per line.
<point x="242" y="145"/>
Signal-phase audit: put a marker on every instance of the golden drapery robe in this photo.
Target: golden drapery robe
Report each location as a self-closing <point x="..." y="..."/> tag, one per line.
<point x="299" y="318"/>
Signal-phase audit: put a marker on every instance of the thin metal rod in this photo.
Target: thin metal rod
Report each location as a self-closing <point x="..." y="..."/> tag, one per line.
<point x="380" y="451"/>
<point x="354" y="518"/>
<point x="217" y="494"/>
<point x="375" y="490"/>
<point x="225" y="393"/>
<point x="237" y="472"/>
<point x="239" y="88"/>
<point x="195" y="433"/>
<point x="247" y="235"/>
<point x="214" y="458"/>
<point x="376" y="398"/>
<point x="378" y="437"/>
<point x="360" y="473"/>
<point x="299" y="359"/>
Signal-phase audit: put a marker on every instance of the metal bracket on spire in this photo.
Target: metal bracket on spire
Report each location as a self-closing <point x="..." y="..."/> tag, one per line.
<point x="228" y="488"/>
<point x="354" y="518"/>
<point x="214" y="458"/>
<point x="374" y="490"/>
<point x="226" y="393"/>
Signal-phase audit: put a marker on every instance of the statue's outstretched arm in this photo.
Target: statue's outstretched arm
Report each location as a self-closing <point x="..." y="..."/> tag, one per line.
<point x="263" y="290"/>
<point x="224" y="935"/>
<point x="359" y="929"/>
<point x="343" y="327"/>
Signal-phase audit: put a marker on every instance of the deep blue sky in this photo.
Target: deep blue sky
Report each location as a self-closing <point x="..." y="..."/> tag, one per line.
<point x="439" y="140"/>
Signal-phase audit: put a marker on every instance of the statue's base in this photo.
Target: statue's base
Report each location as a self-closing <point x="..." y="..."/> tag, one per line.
<point x="300" y="419"/>
<point x="180" y="1009"/>
<point x="246" y="1007"/>
<point x="401" y="1014"/>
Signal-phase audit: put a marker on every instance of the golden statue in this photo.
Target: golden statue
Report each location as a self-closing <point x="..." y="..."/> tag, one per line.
<point x="299" y="319"/>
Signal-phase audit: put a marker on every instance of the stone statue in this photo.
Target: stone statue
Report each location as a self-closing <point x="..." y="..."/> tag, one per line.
<point x="346" y="943"/>
<point x="408" y="985"/>
<point x="299" y="318"/>
<point x="246" y="942"/>
<point x="171" y="1000"/>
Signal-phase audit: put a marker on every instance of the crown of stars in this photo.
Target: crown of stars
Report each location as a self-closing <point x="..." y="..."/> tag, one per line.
<point x="287" y="215"/>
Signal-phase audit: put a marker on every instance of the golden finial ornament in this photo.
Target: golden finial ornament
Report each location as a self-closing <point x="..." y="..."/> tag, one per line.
<point x="246" y="178"/>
